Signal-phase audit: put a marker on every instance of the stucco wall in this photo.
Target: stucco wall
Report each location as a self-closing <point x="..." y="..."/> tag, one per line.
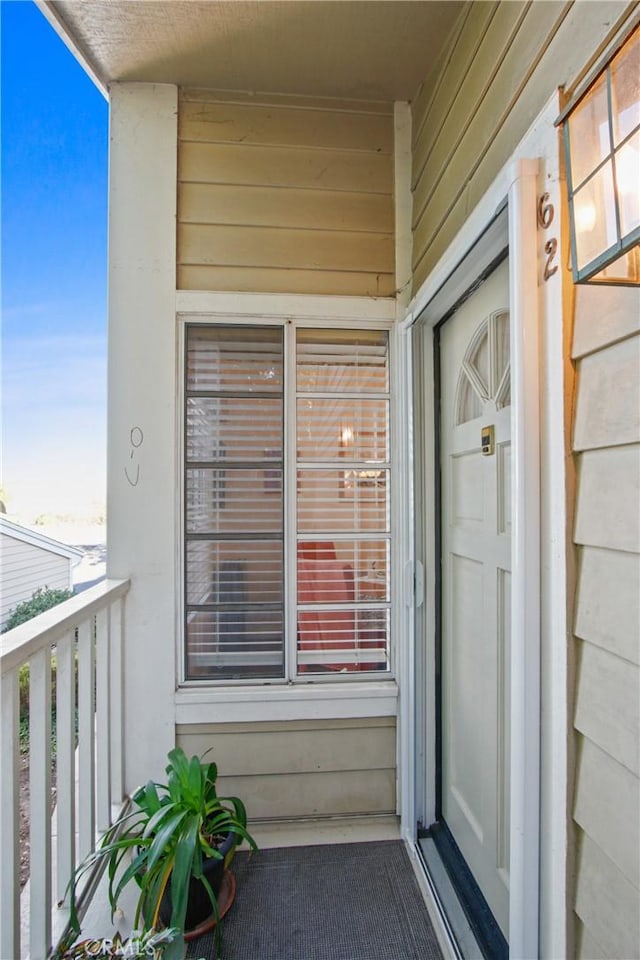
<point x="606" y="442"/>
<point x="285" y="195"/>
<point x="505" y="61"/>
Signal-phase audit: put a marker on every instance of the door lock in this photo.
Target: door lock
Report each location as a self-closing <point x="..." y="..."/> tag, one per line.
<point x="487" y="440"/>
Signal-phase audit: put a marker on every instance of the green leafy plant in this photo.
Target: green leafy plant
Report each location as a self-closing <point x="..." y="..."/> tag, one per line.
<point x="23" y="694"/>
<point x="42" y="599"/>
<point x="171" y="831"/>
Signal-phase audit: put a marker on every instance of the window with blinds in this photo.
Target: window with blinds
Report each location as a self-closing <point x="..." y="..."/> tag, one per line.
<point x="234" y="504"/>
<point x="342" y="511"/>
<point x="338" y="589"/>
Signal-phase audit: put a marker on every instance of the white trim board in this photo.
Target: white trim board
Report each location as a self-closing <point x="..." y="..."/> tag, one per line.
<point x="525" y="592"/>
<point x="283" y="306"/>
<point x="403" y="203"/>
<point x="51" y="14"/>
<point x="478" y="259"/>
<point x="323" y="701"/>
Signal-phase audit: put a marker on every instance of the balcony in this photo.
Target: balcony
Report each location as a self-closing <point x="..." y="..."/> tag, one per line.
<point x="83" y="637"/>
<point x="79" y="735"/>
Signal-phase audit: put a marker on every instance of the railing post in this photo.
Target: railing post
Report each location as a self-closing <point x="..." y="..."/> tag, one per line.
<point x="103" y="725"/>
<point x="86" y="739"/>
<point x="9" y="814"/>
<point x="65" y="764"/>
<point x="116" y="631"/>
<point x="40" y="803"/>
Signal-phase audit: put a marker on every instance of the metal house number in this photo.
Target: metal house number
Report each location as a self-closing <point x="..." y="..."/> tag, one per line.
<point x="546" y="214"/>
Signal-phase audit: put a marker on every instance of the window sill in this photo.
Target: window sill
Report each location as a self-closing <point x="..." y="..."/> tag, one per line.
<point x="323" y="701"/>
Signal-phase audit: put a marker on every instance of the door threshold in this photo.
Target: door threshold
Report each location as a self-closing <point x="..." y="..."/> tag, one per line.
<point x="320" y="830"/>
<point x="447" y="901"/>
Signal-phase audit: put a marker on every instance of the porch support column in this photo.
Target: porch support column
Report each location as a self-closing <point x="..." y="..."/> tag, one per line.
<point x="525" y="615"/>
<point x="142" y="470"/>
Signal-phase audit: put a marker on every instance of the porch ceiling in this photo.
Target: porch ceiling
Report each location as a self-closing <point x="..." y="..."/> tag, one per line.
<point x="329" y="48"/>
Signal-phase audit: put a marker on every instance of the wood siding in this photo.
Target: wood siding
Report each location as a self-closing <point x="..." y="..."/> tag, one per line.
<point x="24" y="567"/>
<point x="294" y="769"/>
<point x="504" y="62"/>
<point x="607" y="625"/>
<point x="285" y="195"/>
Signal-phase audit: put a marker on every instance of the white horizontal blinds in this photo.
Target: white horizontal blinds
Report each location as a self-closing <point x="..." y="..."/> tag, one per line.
<point x="234" y="502"/>
<point x="343" y="529"/>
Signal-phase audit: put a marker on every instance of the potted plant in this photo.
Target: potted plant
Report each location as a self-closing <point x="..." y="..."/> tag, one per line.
<point x="179" y="836"/>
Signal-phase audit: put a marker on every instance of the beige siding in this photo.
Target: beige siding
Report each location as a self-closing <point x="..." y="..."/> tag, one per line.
<point x="23" y="568"/>
<point x="607" y="623"/>
<point x="606" y="808"/>
<point x="608" y="496"/>
<point x="608" y="704"/>
<point x="608" y="608"/>
<point x="586" y="946"/>
<point x="288" y="770"/>
<point x="607" y="902"/>
<point x="610" y="373"/>
<point x="618" y="313"/>
<point x="506" y="61"/>
<point x="285" y="195"/>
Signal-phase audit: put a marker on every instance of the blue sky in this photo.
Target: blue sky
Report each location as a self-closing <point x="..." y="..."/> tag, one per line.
<point x="54" y="135"/>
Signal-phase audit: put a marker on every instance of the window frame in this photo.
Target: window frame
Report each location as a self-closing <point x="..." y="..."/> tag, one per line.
<point x="191" y="536"/>
<point x="291" y="313"/>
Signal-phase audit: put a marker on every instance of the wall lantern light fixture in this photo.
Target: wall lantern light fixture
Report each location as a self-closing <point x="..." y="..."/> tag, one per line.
<point x="601" y="127"/>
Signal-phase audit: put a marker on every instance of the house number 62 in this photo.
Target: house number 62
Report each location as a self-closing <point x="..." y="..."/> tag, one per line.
<point x="545" y="219"/>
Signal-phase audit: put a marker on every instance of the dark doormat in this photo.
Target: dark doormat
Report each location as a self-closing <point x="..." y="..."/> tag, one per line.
<point x="355" y="901"/>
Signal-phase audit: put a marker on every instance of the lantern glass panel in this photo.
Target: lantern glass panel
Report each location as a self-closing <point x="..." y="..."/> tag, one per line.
<point x="625" y="89"/>
<point x="626" y="269"/>
<point x="589" y="133"/>
<point x="627" y="160"/>
<point x="594" y="216"/>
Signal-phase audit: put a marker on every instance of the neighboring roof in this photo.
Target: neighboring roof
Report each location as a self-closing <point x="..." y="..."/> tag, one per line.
<point x="355" y="49"/>
<point x="11" y="529"/>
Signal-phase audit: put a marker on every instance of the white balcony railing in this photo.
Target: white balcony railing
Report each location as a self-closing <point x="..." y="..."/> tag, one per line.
<point x="85" y="635"/>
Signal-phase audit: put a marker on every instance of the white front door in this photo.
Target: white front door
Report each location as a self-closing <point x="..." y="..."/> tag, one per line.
<point x="476" y="585"/>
